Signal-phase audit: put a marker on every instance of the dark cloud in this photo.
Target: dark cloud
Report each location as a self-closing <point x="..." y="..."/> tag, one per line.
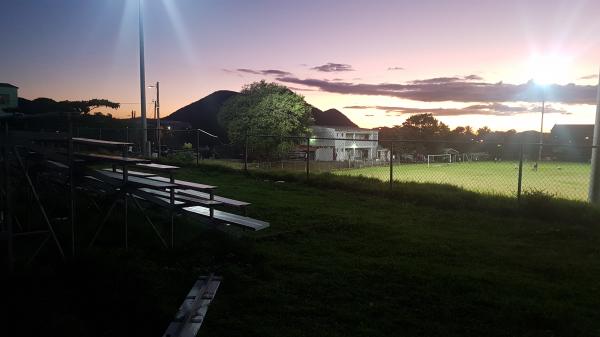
<point x="249" y="71"/>
<point x="490" y="109"/>
<point x="458" y="89"/>
<point x="443" y="80"/>
<point x="301" y="89"/>
<point x="275" y="72"/>
<point x="267" y="72"/>
<point x="473" y="78"/>
<point x="589" y="77"/>
<point x="333" y="67"/>
<point x="395" y="68"/>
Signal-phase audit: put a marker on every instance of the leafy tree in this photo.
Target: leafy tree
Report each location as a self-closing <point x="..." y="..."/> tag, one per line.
<point x="484" y="131"/>
<point x="265" y="108"/>
<point x="425" y="125"/>
<point x="45" y="105"/>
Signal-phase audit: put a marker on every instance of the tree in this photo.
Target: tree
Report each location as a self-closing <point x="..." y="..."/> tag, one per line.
<point x="268" y="109"/>
<point x="424" y="127"/>
<point x="44" y="105"/>
<point x="484" y="131"/>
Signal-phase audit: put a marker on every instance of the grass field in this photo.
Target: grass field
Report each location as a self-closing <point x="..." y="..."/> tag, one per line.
<point x="565" y="180"/>
<point x="335" y="262"/>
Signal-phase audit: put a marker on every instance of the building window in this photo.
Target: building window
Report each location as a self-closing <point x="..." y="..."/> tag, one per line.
<point x="4" y="99"/>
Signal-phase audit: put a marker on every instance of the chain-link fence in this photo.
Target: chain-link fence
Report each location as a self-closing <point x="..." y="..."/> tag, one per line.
<point x="507" y="169"/>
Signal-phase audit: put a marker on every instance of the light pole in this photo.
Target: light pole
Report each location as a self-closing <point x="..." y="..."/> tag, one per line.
<point x="157" y="111"/>
<point x="142" y="81"/>
<point x="594" y="195"/>
<point x="542" y="128"/>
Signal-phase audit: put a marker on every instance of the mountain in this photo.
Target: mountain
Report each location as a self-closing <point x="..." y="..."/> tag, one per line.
<point x="202" y="114"/>
<point x="332" y="117"/>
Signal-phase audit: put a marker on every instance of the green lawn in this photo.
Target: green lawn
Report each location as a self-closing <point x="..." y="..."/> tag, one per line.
<point x="335" y="262"/>
<point x="565" y="180"/>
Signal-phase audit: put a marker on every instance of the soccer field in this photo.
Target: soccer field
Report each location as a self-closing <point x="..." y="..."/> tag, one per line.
<point x="565" y="180"/>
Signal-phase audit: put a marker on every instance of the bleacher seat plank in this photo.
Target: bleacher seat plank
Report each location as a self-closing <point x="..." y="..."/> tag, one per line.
<point x="230" y="218"/>
<point x="132" y="173"/>
<point x="226" y="201"/>
<point x="182" y="197"/>
<point x="188" y="184"/>
<point x="138" y="181"/>
<point x="157" y="167"/>
<point x="111" y="159"/>
<point x="99" y="142"/>
<point x="191" y="313"/>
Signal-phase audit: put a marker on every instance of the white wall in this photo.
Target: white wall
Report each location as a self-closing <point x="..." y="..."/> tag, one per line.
<point x="346" y="149"/>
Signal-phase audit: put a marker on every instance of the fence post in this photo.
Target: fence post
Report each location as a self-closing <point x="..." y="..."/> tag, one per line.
<point x="127" y="134"/>
<point x="307" y="157"/>
<point x="391" y="165"/>
<point x="99" y="133"/>
<point x="246" y="153"/>
<point x="520" y="179"/>
<point x="197" y="147"/>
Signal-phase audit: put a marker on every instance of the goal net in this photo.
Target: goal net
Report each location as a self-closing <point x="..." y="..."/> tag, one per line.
<point x="439" y="159"/>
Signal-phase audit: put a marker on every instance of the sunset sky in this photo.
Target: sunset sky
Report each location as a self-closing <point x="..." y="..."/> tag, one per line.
<point x="468" y="62"/>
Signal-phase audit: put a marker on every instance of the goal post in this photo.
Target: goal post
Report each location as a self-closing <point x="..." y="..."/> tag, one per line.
<point x="436" y="158"/>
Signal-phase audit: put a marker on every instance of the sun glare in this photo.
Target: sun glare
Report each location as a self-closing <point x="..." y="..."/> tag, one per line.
<point x="551" y="68"/>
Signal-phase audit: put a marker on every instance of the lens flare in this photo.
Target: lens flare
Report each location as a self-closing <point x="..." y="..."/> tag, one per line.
<point x="550" y="69"/>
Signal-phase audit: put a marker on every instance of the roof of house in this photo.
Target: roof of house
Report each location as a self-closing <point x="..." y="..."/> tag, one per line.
<point x="7" y="85"/>
<point x="345" y="128"/>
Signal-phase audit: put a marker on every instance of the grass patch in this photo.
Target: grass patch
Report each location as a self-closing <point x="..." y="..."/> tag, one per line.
<point x="565" y="180"/>
<point x="345" y="256"/>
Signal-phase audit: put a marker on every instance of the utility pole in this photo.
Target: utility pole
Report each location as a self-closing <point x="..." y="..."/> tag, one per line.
<point x="542" y="129"/>
<point x="142" y="81"/>
<point x="157" y="113"/>
<point x="594" y="195"/>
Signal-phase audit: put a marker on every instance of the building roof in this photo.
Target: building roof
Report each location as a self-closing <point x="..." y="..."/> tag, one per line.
<point x="8" y="85"/>
<point x="345" y="128"/>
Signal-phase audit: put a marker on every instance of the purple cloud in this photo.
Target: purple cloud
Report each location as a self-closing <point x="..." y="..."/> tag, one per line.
<point x="333" y="67"/>
<point x="490" y="109"/>
<point x="267" y="72"/>
<point x="458" y="89"/>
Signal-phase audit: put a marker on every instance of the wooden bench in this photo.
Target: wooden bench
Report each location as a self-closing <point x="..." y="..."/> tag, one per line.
<point x="228" y="218"/>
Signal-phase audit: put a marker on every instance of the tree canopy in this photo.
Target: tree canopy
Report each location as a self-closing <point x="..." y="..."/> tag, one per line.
<point x="45" y="105"/>
<point x="265" y="108"/>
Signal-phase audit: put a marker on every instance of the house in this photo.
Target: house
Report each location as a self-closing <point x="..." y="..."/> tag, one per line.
<point x="344" y="143"/>
<point x="9" y="97"/>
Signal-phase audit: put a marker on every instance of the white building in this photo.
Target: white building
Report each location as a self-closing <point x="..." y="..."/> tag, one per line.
<point x="8" y="96"/>
<point x="351" y="143"/>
